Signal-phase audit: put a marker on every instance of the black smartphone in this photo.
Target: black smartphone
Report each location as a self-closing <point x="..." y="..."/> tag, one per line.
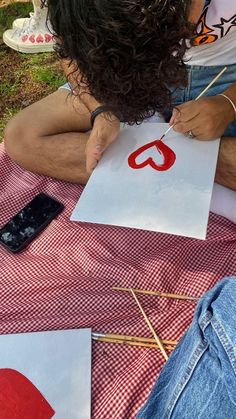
<point x="29" y="222"/>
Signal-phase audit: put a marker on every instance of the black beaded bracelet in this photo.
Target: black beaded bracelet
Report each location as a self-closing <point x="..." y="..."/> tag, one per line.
<point x="97" y="111"/>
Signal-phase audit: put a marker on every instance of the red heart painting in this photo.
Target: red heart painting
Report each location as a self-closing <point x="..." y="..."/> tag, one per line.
<point x="20" y="399"/>
<point x="168" y="155"/>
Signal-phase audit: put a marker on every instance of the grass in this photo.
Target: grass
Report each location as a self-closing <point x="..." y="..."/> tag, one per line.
<point x="45" y="74"/>
<point x="8" y="114"/>
<point x="12" y="11"/>
<point x="24" y="78"/>
<point x="7" y="89"/>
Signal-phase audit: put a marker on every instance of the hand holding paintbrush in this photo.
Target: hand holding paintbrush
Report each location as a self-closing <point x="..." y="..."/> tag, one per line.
<point x="190" y="133"/>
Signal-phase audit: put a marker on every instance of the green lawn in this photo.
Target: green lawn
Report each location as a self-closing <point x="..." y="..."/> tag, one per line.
<point x="24" y="78"/>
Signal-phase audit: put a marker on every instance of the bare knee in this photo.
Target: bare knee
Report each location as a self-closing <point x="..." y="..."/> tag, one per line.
<point x="17" y="138"/>
<point x="226" y="167"/>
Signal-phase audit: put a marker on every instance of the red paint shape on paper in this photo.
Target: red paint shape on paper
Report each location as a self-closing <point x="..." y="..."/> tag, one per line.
<point x="169" y="157"/>
<point x="20" y="399"/>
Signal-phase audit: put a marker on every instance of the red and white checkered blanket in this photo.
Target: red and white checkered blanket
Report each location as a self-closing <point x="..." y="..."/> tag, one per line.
<point x="64" y="280"/>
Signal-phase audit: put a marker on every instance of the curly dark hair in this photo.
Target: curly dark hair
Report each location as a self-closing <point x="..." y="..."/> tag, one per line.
<point x="130" y="52"/>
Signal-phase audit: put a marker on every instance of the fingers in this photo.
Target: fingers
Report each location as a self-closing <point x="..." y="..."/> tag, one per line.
<point x="191" y="125"/>
<point x="207" y="118"/>
<point x="94" y="149"/>
<point x="195" y="129"/>
<point x="175" y="116"/>
<point x="183" y="128"/>
<point x="97" y="144"/>
<point x="193" y="116"/>
<point x="185" y="112"/>
<point x="102" y="135"/>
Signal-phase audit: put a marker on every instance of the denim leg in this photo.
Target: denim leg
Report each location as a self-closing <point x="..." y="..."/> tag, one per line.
<point x="199" y="379"/>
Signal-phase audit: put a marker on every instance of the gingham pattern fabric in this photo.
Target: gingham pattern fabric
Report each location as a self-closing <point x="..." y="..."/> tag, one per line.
<point x="64" y="280"/>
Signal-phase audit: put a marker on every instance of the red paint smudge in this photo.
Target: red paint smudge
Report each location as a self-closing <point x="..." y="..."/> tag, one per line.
<point x="168" y="155"/>
<point x="20" y="399"/>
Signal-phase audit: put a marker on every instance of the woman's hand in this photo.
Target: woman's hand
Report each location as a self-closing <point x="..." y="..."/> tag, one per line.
<point x="207" y="118"/>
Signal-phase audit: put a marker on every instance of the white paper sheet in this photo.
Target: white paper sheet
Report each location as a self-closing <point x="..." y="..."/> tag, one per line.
<point x="175" y="201"/>
<point x="58" y="364"/>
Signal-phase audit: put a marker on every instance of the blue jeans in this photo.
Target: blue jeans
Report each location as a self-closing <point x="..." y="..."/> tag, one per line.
<point x="198" y="78"/>
<point x="199" y="379"/>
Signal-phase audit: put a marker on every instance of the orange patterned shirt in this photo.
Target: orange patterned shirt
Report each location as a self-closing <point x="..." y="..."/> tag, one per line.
<point x="217" y="20"/>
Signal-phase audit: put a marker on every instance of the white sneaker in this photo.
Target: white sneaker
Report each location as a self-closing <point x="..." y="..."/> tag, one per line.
<point x="32" y="37"/>
<point x="19" y="23"/>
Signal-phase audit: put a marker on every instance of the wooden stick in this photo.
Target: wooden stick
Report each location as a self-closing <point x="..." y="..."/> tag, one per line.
<point x="211" y="83"/>
<point x="158" y="341"/>
<point x="131" y="343"/>
<point x="132" y="338"/>
<point x="160" y="294"/>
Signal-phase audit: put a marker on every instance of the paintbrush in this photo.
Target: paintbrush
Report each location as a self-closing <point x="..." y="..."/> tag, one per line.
<point x="160" y="294"/>
<point x="127" y="338"/>
<point x="157" y="339"/>
<point x="132" y="343"/>
<point x="198" y="97"/>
